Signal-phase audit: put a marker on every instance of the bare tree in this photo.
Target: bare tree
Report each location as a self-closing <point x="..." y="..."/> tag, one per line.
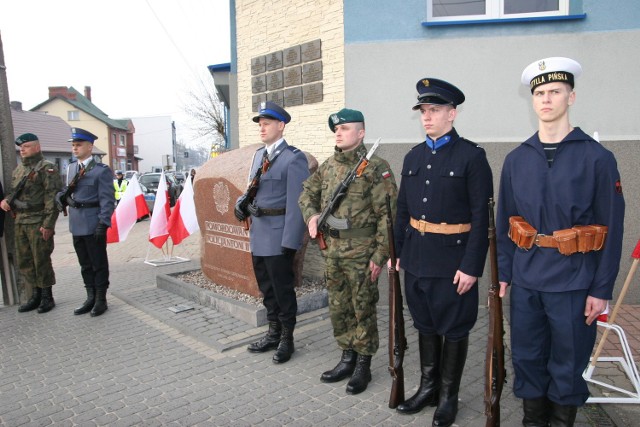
<point x="207" y="113"/>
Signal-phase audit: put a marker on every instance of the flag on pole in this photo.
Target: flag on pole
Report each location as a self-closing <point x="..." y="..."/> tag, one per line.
<point x="183" y="221"/>
<point x="158" y="232"/>
<point x="130" y="209"/>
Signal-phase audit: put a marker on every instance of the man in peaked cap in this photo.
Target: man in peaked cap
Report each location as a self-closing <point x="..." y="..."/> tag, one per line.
<point x="562" y="185"/>
<point x="90" y="197"/>
<point x="357" y="245"/>
<point x="441" y="242"/>
<point x="277" y="228"/>
<point x="34" y="184"/>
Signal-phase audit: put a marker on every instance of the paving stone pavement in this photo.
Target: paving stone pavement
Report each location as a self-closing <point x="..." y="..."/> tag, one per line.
<point x="141" y="364"/>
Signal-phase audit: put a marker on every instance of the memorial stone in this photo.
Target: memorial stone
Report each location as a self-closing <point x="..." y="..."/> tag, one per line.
<point x="274" y="61"/>
<point x="311" y="51"/>
<point x="258" y="65"/>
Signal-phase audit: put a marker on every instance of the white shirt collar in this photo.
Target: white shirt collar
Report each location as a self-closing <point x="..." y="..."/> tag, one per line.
<point x="272" y="148"/>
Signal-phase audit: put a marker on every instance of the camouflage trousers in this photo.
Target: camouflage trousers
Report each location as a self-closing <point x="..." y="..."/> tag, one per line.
<point x="33" y="254"/>
<point x="352" y="304"/>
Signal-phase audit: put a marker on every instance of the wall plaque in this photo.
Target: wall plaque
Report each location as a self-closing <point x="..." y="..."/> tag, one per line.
<point x="293" y="96"/>
<point x="312" y="72"/>
<point x="258" y="84"/>
<point x="275" y="80"/>
<point x="258" y="65"/>
<point x="293" y="76"/>
<point x="312" y="93"/>
<point x="277" y="97"/>
<point x="291" y="56"/>
<point x="274" y="61"/>
<point x="311" y="51"/>
<point x="256" y="100"/>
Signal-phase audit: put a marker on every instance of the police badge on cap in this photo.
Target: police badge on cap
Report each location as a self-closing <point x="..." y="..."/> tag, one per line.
<point x="439" y="92"/>
<point x="549" y="70"/>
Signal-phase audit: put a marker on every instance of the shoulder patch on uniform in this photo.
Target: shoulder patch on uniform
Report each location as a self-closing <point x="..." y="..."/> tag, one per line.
<point x="386" y="174"/>
<point x="50" y="171"/>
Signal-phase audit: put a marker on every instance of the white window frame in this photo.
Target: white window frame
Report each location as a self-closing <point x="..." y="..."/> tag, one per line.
<point x="73" y="115"/>
<point x="495" y="12"/>
<point x="122" y="141"/>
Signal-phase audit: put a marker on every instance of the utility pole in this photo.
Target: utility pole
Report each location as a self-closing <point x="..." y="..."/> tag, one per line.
<point x="8" y="154"/>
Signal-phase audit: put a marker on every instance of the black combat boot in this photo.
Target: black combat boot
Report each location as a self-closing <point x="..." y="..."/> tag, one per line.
<point x="33" y="303"/>
<point x="428" y="392"/>
<point x="87" y="305"/>
<point x="361" y="375"/>
<point x="454" y="355"/>
<point x="536" y="412"/>
<point x="270" y="341"/>
<point x="562" y="415"/>
<point x="285" y="348"/>
<point x="46" y="303"/>
<point x="343" y="369"/>
<point x="100" y="305"/>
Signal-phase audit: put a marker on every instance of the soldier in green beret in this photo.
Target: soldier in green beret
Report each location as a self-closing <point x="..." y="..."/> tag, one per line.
<point x="30" y="200"/>
<point x="356" y="253"/>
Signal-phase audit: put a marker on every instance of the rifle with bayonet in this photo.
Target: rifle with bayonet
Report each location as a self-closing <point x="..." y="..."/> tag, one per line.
<point x="397" y="338"/>
<point x="495" y="372"/>
<point x="326" y="218"/>
<point x="12" y="200"/>
<point x="62" y="197"/>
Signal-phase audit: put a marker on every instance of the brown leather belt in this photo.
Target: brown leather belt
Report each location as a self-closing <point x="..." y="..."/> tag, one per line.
<point x="443" y="228"/>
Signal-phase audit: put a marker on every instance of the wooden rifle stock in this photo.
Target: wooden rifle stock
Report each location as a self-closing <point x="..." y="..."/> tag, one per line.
<point x="397" y="338"/>
<point x="495" y="372"/>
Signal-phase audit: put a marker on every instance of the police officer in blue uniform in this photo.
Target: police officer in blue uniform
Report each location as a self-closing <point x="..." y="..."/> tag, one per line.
<point x="559" y="228"/>
<point x="441" y="241"/>
<point x="91" y="202"/>
<point x="277" y="228"/>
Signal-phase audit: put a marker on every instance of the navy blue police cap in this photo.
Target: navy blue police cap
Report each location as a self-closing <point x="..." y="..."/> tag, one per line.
<point x="78" y="134"/>
<point x="25" y="137"/>
<point x="271" y="110"/>
<point x="436" y="91"/>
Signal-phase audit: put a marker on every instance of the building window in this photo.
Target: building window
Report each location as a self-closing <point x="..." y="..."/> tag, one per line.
<point x="122" y="143"/>
<point x="113" y="139"/>
<point x="480" y="10"/>
<point x="73" y="115"/>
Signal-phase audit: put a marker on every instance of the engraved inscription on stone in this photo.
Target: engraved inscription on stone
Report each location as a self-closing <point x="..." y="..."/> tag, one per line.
<point x="312" y="72"/>
<point x="256" y="100"/>
<point x="277" y="97"/>
<point x="258" y="84"/>
<point x="312" y="93"/>
<point x="258" y="65"/>
<point x="291" y="56"/>
<point x="275" y="80"/>
<point x="274" y="61"/>
<point x="311" y="51"/>
<point x="293" y="76"/>
<point x="293" y="96"/>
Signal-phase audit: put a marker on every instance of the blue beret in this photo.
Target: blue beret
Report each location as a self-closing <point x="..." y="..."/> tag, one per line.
<point x="345" y="115"/>
<point x="271" y="110"/>
<point x="25" y="137"/>
<point x="78" y="134"/>
<point x="549" y="70"/>
<point x="435" y="91"/>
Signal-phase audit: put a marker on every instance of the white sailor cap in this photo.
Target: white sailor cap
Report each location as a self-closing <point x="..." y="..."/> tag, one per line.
<point x="548" y="70"/>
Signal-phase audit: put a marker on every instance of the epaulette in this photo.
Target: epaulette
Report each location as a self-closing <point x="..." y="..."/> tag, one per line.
<point x="102" y="164"/>
<point x="471" y="142"/>
<point x="416" y="146"/>
<point x="292" y="148"/>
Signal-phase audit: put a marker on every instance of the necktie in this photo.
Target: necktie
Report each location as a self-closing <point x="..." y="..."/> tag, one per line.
<point x="265" y="161"/>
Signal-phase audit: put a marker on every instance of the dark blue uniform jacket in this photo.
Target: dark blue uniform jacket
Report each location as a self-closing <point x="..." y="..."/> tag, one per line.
<point x="453" y="186"/>
<point x="582" y="187"/>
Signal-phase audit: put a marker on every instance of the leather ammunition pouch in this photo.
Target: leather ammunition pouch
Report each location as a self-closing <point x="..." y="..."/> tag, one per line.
<point x="579" y="238"/>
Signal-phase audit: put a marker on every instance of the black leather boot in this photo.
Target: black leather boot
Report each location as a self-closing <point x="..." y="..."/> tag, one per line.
<point x="46" y="303"/>
<point x="343" y="369"/>
<point x="536" y="412"/>
<point x="428" y="392"/>
<point x="562" y="415"/>
<point x="285" y="348"/>
<point x="100" y="305"/>
<point x="33" y="303"/>
<point x="270" y="341"/>
<point x="361" y="375"/>
<point x="454" y="356"/>
<point x="87" y="305"/>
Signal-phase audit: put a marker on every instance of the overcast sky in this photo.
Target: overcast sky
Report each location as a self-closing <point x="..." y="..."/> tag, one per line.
<point x="140" y="57"/>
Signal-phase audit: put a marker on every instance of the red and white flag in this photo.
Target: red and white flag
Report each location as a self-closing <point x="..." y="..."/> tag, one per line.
<point x="183" y="221"/>
<point x="158" y="231"/>
<point x="131" y="208"/>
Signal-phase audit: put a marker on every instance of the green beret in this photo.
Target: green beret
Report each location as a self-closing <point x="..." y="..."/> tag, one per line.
<point x="25" y="137"/>
<point x="345" y="116"/>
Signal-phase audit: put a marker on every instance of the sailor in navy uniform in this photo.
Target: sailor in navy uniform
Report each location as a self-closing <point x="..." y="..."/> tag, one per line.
<point x="91" y="205"/>
<point x="441" y="242"/>
<point x="556" y="180"/>
<point x="277" y="229"/>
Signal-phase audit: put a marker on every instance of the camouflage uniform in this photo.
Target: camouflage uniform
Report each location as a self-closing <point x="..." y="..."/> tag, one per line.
<point x="35" y="208"/>
<point x="352" y="294"/>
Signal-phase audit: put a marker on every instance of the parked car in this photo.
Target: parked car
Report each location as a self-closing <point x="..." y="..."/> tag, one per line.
<point x="151" y="181"/>
<point x="180" y="177"/>
<point x="149" y="197"/>
<point x="129" y="174"/>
